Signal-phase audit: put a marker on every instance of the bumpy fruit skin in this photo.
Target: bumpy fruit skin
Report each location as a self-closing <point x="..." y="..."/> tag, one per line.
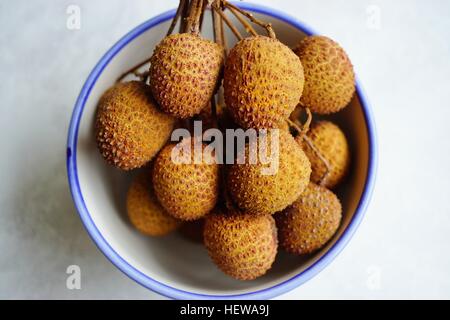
<point x="184" y="73"/>
<point x="188" y="191"/>
<point x="331" y="142"/>
<point x="263" y="82"/>
<point x="130" y="129"/>
<point x="144" y="211"/>
<point x="242" y="246"/>
<point x="310" y="222"/>
<point x="329" y="76"/>
<point x="255" y="192"/>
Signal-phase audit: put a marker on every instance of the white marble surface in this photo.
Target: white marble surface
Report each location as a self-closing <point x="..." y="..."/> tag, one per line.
<point x="402" y="247"/>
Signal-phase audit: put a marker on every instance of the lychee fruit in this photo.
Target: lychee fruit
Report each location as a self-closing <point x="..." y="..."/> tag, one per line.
<point x="332" y="144"/>
<point x="144" y="211"/>
<point x="130" y="129"/>
<point x="263" y="82"/>
<point x="242" y="246"/>
<point x="185" y="182"/>
<point x="184" y="73"/>
<point x="329" y="76"/>
<point x="310" y="222"/>
<point x="257" y="190"/>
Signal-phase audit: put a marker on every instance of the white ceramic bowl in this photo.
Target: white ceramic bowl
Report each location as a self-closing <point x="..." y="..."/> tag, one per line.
<point x="173" y="266"/>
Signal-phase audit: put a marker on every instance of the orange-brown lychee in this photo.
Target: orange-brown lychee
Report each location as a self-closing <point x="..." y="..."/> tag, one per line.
<point x="309" y="223"/>
<point x="263" y="82"/>
<point x="129" y="127"/>
<point x="144" y="210"/>
<point x="184" y="73"/>
<point x="242" y="246"/>
<point x="266" y="187"/>
<point x="329" y="76"/>
<point x="186" y="180"/>
<point x="332" y="144"/>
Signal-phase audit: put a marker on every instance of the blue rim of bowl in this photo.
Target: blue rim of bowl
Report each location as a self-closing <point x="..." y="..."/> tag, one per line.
<point x="167" y="290"/>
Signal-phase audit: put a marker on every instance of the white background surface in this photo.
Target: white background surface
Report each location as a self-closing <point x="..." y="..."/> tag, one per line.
<point x="401" y="250"/>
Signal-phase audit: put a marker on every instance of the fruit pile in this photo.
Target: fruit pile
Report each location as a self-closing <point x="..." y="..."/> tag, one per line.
<point x="240" y="214"/>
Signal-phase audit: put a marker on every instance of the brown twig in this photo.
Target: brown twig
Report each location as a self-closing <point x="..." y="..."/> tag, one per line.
<point x="177" y="17"/>
<point x="198" y="17"/>
<point x="216" y="27"/>
<point x="307" y="140"/>
<point x="267" y="26"/>
<point x="133" y="70"/>
<point x="307" y="124"/>
<point x="224" y="38"/>
<point x="190" y="17"/>
<point x="193" y="20"/>
<point x="184" y="16"/>
<point x="248" y="27"/>
<point x="323" y="180"/>
<point x="218" y="9"/>
<point x="294" y="125"/>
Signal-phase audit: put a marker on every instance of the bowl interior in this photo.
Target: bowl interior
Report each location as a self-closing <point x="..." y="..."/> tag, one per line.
<point x="172" y="260"/>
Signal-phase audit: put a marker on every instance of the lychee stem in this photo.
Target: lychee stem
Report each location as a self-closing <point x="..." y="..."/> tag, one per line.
<point x="294" y="125"/>
<point x="248" y="27"/>
<point x="195" y="13"/>
<point x="199" y="16"/>
<point x="190" y="17"/>
<point x="218" y="9"/>
<point x="224" y="38"/>
<point x="134" y="70"/>
<point x="302" y="136"/>
<point x="327" y="165"/>
<point x="267" y="26"/>
<point x="184" y="16"/>
<point x="217" y="27"/>
<point x="307" y="124"/>
<point x="178" y="14"/>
